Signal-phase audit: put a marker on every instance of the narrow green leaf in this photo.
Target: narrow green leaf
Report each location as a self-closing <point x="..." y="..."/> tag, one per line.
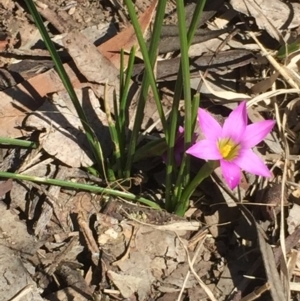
<point x="205" y="171"/>
<point x="285" y="50"/>
<point x="92" y="139"/>
<point x="148" y="78"/>
<point x="17" y="142"/>
<point x="80" y="186"/>
<point x="173" y="196"/>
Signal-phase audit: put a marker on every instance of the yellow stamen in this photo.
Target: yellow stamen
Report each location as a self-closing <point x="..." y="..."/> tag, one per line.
<point x="228" y="149"/>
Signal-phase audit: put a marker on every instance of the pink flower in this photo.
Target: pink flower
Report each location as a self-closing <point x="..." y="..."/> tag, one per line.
<point x="232" y="143"/>
<point x="179" y="146"/>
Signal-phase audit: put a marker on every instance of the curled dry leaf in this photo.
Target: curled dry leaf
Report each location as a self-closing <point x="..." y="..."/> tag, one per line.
<point x="228" y="95"/>
<point x="270" y="17"/>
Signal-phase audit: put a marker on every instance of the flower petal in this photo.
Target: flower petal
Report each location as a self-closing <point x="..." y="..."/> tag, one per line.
<point x="235" y="125"/>
<point x="231" y="173"/>
<point x="180" y="129"/>
<point x="256" y="132"/>
<point x="249" y="161"/>
<point x="208" y="125"/>
<point x="205" y="149"/>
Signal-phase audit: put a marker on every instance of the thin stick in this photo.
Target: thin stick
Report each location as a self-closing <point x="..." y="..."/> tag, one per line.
<point x="23" y="292"/>
<point x="191" y="264"/>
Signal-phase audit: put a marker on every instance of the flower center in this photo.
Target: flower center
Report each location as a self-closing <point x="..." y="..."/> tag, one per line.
<point x="228" y="149"/>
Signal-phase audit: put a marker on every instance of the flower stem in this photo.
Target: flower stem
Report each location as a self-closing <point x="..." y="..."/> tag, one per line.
<point x="205" y="171"/>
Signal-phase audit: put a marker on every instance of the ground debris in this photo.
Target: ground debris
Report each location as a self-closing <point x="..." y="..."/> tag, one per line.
<point x="62" y="244"/>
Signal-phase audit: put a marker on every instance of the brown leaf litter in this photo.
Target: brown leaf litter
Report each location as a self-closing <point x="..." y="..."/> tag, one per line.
<point x="58" y="244"/>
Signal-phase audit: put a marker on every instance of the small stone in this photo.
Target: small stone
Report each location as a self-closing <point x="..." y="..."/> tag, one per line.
<point x="72" y="10"/>
<point x="87" y="19"/>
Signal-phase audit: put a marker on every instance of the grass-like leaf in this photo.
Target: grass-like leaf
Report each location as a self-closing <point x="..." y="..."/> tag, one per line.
<point x="17" y="142"/>
<point x="173" y="195"/>
<point x="80" y="186"/>
<point x="92" y="139"/>
<point x="205" y="171"/>
<point x="121" y="113"/>
<point x="148" y="78"/>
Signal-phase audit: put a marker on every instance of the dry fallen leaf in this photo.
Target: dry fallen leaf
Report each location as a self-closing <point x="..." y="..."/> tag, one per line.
<point x="7" y="4"/>
<point x="127" y="38"/>
<point x="127" y="285"/>
<point x="26" y="97"/>
<point x="90" y="62"/>
<point x="5" y="187"/>
<point x="15" y="238"/>
<point x="228" y="95"/>
<point x="270" y="17"/>
<point x="67" y="293"/>
<point x="265" y="84"/>
<point x="20" y="190"/>
<point x="64" y="139"/>
<point x="143" y="258"/>
<point x="293" y="220"/>
<point x="93" y="65"/>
